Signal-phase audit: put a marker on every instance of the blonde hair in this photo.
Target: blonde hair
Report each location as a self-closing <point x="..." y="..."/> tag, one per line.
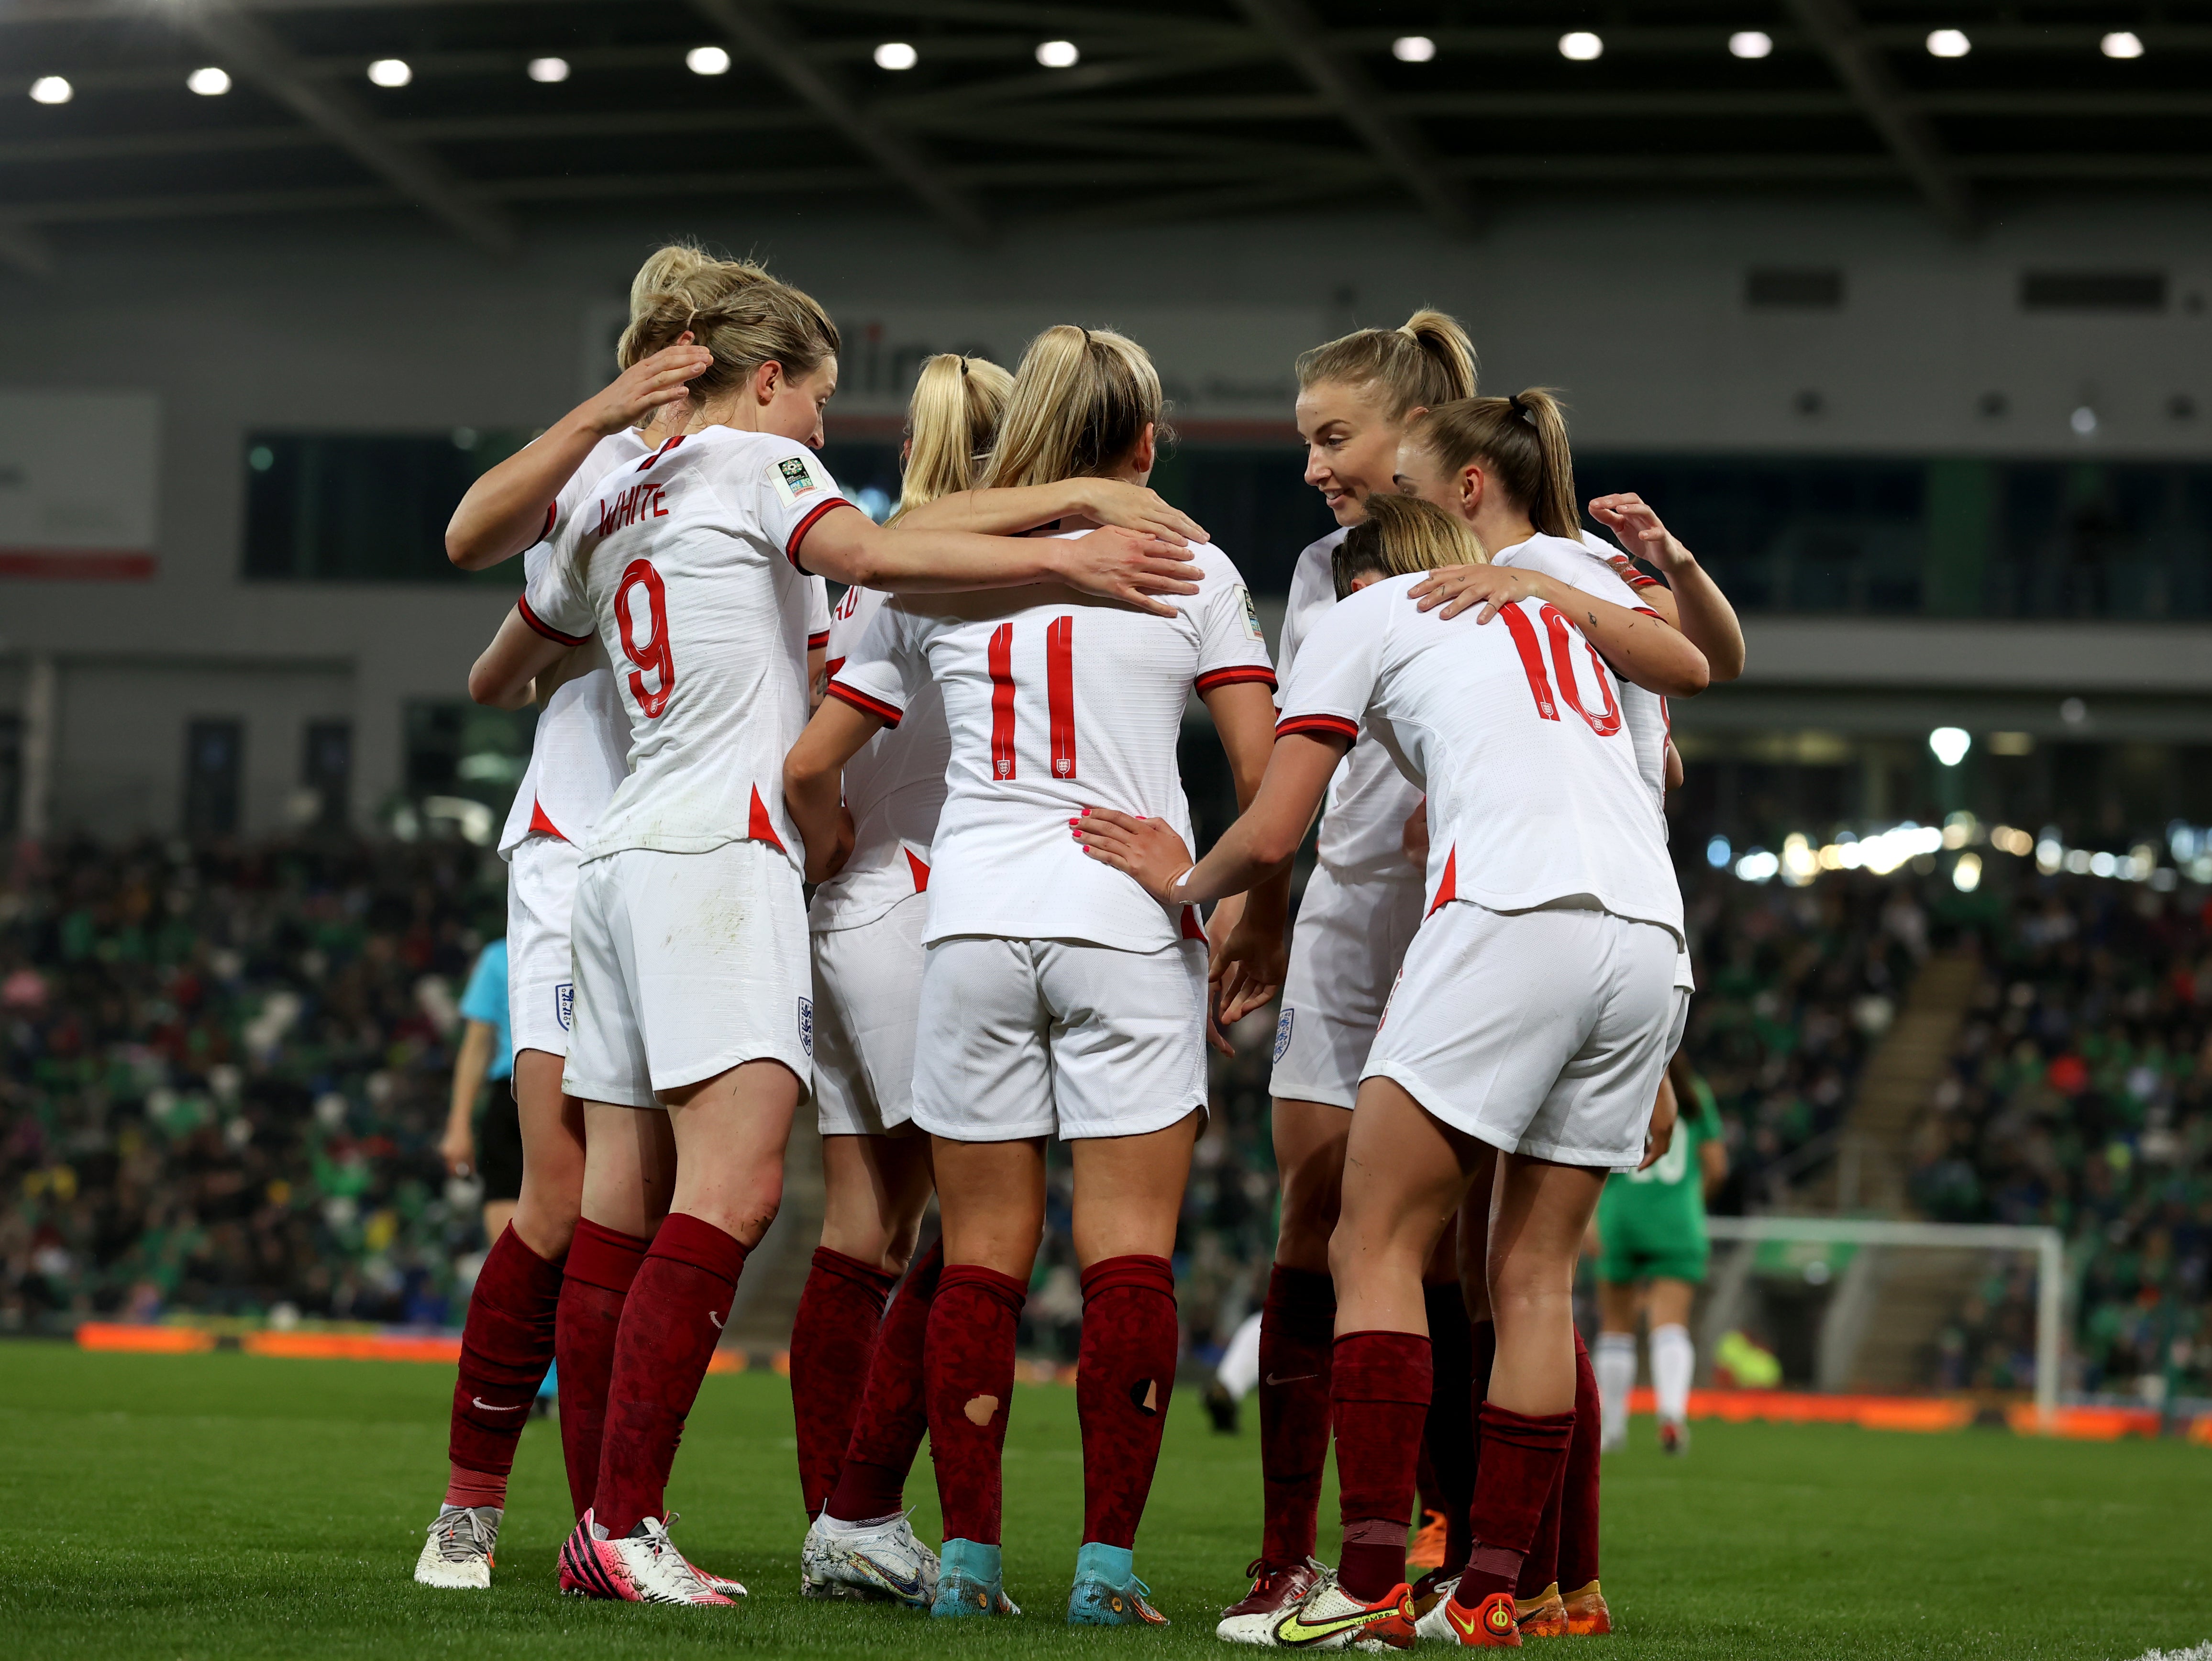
<point x="1401" y="536"/>
<point x="734" y="308"/>
<point x="1425" y="361"/>
<point x="952" y="420"/>
<point x="1081" y="401"/>
<point x="1522" y="439"/>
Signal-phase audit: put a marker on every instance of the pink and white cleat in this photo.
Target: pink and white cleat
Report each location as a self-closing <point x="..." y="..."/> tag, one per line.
<point x="643" y="1567"/>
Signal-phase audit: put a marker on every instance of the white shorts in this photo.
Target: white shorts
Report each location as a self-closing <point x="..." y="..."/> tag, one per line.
<point x="867" y="989"/>
<point x="1542" y="1032"/>
<point x="1058" y="1037"/>
<point x="1350" y="937"/>
<point x="541" y="888"/>
<point x="687" y="964"/>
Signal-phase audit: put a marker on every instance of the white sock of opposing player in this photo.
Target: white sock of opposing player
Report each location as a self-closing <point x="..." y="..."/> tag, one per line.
<point x="1614" y="1363"/>
<point x="1673" y="1358"/>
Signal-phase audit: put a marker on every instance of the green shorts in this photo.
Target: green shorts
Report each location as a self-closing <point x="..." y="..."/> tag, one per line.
<point x="1634" y="1253"/>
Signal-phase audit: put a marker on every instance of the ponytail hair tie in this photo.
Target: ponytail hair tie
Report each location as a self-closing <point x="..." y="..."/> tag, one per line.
<point x="964" y="366"/>
<point x="1520" y="409"/>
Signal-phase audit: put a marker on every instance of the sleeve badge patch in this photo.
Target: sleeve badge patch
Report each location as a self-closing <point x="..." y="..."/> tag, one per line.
<point x="564" y="1005"/>
<point x="1251" y="615"/>
<point x="806" y="1026"/>
<point x="1283" y="1031"/>
<point x="792" y="477"/>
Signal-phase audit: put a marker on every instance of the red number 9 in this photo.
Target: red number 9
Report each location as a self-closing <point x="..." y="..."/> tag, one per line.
<point x="654" y="654"/>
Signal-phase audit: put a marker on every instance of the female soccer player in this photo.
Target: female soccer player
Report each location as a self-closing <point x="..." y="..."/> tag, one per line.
<point x="1057" y="998"/>
<point x="692" y="1014"/>
<point x="1361" y="904"/>
<point x="1537" y="1006"/>
<point x="536" y="1267"/>
<point x="856" y="1443"/>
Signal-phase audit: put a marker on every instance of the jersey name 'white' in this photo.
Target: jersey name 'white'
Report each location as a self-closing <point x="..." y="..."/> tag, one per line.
<point x="1515" y="731"/>
<point x="1055" y="702"/>
<point x="894" y="788"/>
<point x="687" y="565"/>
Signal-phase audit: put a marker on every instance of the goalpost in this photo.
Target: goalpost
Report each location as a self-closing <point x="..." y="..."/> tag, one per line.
<point x="2045" y="1243"/>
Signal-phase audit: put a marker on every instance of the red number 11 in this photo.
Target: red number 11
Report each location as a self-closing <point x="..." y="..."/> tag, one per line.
<point x="1059" y="697"/>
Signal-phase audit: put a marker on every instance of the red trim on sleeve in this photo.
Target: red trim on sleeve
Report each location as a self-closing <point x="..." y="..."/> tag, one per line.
<point x="1647" y="612"/>
<point x="1637" y="579"/>
<point x="1335" y="727"/>
<point x="760" y="827"/>
<point x="799" y="532"/>
<point x="1240" y="672"/>
<point x="522" y="604"/>
<point x="815" y="643"/>
<point x="883" y="712"/>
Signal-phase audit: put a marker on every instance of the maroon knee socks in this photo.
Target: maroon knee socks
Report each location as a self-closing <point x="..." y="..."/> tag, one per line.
<point x="1379" y="1392"/>
<point x="968" y="1365"/>
<point x="1297" y="1327"/>
<point x="1124" y="1373"/>
<point x="601" y="1264"/>
<point x="894" y="1409"/>
<point x="831" y="1337"/>
<point x="505" y="1345"/>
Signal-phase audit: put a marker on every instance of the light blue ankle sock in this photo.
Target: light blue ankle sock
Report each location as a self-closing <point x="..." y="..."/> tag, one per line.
<point x="1114" y="1565"/>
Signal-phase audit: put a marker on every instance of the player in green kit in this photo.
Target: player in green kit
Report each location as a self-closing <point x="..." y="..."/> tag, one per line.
<point x="1650" y="1226"/>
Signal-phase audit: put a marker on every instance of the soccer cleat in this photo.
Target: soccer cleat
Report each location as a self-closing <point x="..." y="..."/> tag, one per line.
<point x="969" y="1582"/>
<point x="457" y="1557"/>
<point x="1107" y="1592"/>
<point x="867" y="1562"/>
<point x="1544" y="1615"/>
<point x="1490" y="1625"/>
<point x="1587" y="1614"/>
<point x="1674" y="1437"/>
<point x="1427" y="1551"/>
<point x="1220" y="1407"/>
<point x="1251" y="1619"/>
<point x="1330" y="1618"/>
<point x="1431" y="1589"/>
<point x="643" y="1567"/>
<point x="720" y="1583"/>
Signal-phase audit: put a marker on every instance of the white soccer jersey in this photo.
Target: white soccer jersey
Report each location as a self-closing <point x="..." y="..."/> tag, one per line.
<point x="894" y="788"/>
<point x="1362" y="827"/>
<point x="1580" y="564"/>
<point x="686" y="564"/>
<point x="1515" y="731"/>
<point x="1055" y="702"/>
<point x="576" y="754"/>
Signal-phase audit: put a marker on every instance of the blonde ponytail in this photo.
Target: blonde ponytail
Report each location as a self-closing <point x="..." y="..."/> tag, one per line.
<point x="1080" y="404"/>
<point x="1522" y="443"/>
<point x="1427" y="361"/>
<point x="732" y="308"/>
<point x="1401" y="536"/>
<point x="952" y="420"/>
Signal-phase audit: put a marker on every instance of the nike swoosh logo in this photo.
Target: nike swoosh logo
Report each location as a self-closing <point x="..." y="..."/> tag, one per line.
<point x="1468" y="1627"/>
<point x="1295" y="1633"/>
<point x="715" y="1319"/>
<point x="1294" y="1379"/>
<point x="494" y="1407"/>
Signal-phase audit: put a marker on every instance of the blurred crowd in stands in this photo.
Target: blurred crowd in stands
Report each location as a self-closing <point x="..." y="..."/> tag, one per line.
<point x="2080" y="1096"/>
<point x="222" y="1076"/>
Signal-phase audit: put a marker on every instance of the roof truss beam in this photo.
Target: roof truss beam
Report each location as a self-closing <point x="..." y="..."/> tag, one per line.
<point x="1858" y="63"/>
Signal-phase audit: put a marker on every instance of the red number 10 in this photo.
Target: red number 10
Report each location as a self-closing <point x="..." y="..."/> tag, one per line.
<point x="1606" y="721"/>
<point x="1059" y="697"/>
<point x="654" y="655"/>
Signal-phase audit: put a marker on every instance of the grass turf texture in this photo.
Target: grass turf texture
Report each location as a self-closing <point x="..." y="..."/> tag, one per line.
<point x="232" y="1506"/>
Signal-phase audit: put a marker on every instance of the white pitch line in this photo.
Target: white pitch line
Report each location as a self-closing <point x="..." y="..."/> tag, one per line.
<point x="2194" y="1653"/>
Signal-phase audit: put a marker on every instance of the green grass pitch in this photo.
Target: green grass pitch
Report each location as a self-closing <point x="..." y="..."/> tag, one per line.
<point x="231" y="1506"/>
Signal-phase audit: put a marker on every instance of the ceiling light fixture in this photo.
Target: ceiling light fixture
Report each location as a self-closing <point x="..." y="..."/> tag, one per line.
<point x="1058" y="54"/>
<point x="1581" y="47"/>
<point x="1413" y="49"/>
<point x="208" y="82"/>
<point x="2122" y="43"/>
<point x="51" y="89"/>
<point x="707" y="60"/>
<point x="1948" y="43"/>
<point x="1750" y="43"/>
<point x="897" y="55"/>
<point x="549" y="71"/>
<point x="391" y="72"/>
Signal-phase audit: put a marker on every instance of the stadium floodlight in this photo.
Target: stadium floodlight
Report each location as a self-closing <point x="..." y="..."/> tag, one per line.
<point x="51" y="89"/>
<point x="897" y="55"/>
<point x="1058" y="54"/>
<point x="549" y="71"/>
<point x="1757" y="866"/>
<point x="707" y="60"/>
<point x="391" y="72"/>
<point x="1413" y="49"/>
<point x="1948" y="43"/>
<point x="2046" y="1244"/>
<point x="2083" y="421"/>
<point x="1581" y="47"/>
<point x="1966" y="874"/>
<point x="1750" y="43"/>
<point x="1950" y="745"/>
<point x="2122" y="43"/>
<point x="1718" y="853"/>
<point x="209" y="82"/>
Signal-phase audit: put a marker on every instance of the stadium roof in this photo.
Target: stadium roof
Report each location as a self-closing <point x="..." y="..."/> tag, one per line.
<point x="1170" y="108"/>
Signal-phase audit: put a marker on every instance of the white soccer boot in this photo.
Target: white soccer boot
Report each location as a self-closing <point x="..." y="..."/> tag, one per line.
<point x="867" y="1560"/>
<point x="456" y="1556"/>
<point x="643" y="1567"/>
